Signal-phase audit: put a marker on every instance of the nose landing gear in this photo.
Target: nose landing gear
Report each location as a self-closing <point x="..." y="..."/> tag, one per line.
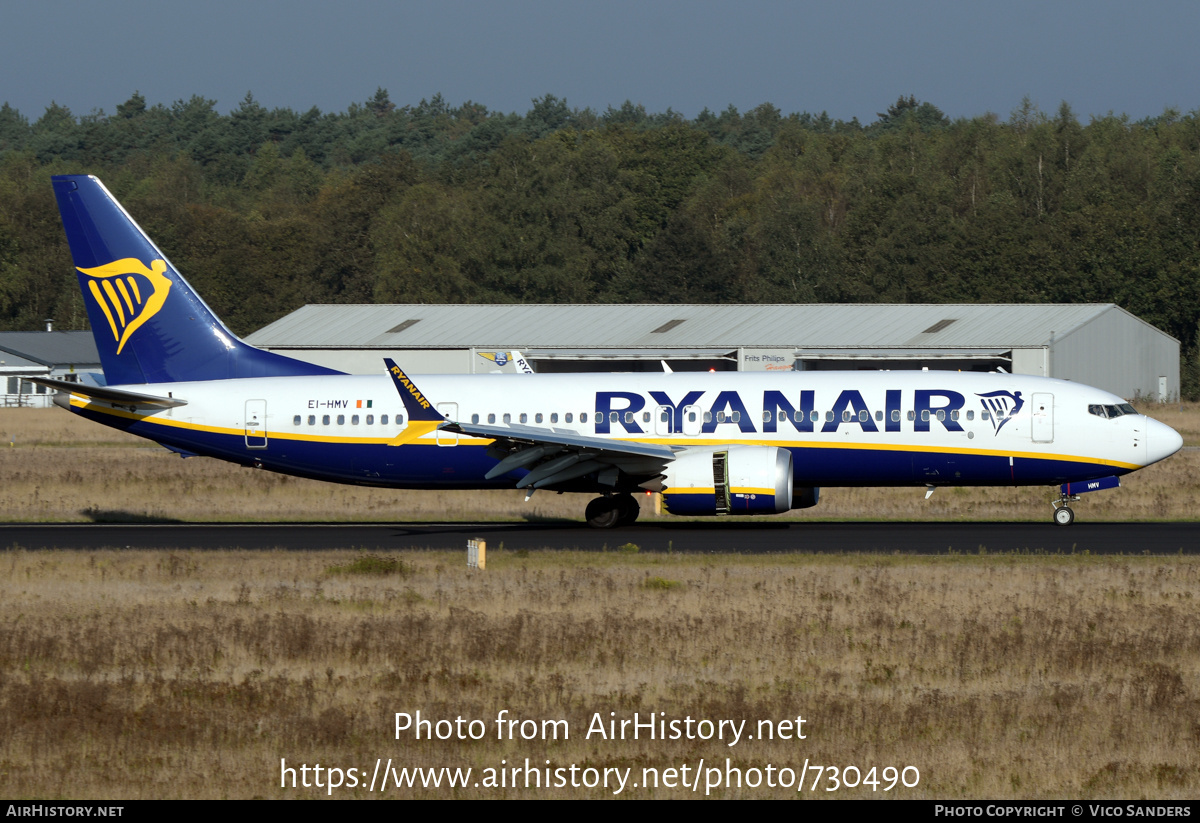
<point x="1069" y="493"/>
<point x="1063" y="515"/>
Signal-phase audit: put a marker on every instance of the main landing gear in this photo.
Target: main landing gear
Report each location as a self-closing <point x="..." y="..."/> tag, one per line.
<point x="611" y="511"/>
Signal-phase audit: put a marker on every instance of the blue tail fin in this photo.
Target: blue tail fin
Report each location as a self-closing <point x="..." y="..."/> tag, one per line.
<point x="150" y="327"/>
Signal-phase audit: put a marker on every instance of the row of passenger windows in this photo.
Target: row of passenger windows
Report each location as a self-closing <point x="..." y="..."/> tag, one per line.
<point x="814" y="416"/>
<point x="735" y="417"/>
<point x="341" y="420"/>
<point x="1118" y="410"/>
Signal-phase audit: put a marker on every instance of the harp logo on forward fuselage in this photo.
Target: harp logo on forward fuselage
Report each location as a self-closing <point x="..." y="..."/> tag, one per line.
<point x="128" y="293"/>
<point x="1002" y="405"/>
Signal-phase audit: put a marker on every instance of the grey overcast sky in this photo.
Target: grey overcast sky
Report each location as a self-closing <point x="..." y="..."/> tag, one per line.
<point x="849" y="58"/>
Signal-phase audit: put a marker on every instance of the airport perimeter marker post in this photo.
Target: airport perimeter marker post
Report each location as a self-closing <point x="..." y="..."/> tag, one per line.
<point x="476" y="554"/>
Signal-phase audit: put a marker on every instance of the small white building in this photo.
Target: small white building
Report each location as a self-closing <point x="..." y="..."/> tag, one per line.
<point x="1098" y="344"/>
<point x="64" y="355"/>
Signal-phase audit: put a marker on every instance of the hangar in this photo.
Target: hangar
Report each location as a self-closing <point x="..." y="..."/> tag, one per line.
<point x="63" y="355"/>
<point x="1098" y="344"/>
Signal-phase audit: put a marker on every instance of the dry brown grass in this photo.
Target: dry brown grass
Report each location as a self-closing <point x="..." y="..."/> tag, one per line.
<point x="153" y="674"/>
<point x="65" y="468"/>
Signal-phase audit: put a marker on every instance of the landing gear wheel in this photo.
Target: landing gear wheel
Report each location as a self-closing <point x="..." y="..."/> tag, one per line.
<point x="629" y="509"/>
<point x="1063" y="515"/>
<point x="603" y="513"/>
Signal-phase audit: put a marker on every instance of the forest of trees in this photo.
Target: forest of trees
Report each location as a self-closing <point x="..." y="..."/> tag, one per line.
<point x="265" y="210"/>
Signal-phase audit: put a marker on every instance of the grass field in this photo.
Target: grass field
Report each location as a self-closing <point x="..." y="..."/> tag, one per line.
<point x="191" y="675"/>
<point x="59" y="467"/>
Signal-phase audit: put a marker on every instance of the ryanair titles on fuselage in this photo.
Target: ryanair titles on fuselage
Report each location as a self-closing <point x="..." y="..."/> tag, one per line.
<point x="617" y="411"/>
<point x="620" y="413"/>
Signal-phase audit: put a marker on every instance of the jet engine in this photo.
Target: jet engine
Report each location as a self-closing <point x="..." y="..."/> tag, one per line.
<point x="729" y="480"/>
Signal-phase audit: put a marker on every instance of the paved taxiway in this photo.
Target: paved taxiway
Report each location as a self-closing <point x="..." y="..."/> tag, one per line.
<point x="718" y="537"/>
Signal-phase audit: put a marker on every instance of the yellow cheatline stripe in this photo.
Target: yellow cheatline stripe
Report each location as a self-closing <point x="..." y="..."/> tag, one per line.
<point x="95" y="289"/>
<point x="464" y="440"/>
<point x="116" y="301"/>
<point x="710" y="490"/>
<point x="404" y="436"/>
<point x="415" y="430"/>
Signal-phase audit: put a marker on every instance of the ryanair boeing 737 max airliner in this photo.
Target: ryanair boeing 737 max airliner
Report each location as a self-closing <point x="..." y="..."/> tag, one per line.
<point x="722" y="443"/>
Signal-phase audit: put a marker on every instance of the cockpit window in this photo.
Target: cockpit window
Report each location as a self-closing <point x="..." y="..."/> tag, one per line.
<point x="1111" y="411"/>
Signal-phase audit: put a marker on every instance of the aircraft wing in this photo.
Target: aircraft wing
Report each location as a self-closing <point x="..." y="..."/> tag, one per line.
<point x="118" y="397"/>
<point x="552" y="456"/>
<point x="556" y="456"/>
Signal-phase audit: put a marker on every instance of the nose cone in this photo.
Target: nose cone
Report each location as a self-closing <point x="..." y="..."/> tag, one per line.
<point x="1162" y="441"/>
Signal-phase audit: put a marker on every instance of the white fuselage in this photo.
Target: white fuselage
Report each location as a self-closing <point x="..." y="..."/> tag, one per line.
<point x="842" y="428"/>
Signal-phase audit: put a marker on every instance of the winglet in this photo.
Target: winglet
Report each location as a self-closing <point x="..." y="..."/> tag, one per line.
<point x="416" y="404"/>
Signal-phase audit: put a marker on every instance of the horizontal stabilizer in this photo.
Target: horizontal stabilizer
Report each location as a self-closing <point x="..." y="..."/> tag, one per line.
<point x="118" y="397"/>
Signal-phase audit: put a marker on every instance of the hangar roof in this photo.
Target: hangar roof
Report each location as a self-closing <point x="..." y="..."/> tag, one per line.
<point x="51" y="348"/>
<point x="816" y="326"/>
<point x="15" y="364"/>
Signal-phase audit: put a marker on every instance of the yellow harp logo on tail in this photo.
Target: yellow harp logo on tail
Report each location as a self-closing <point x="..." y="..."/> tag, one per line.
<point x="126" y="303"/>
